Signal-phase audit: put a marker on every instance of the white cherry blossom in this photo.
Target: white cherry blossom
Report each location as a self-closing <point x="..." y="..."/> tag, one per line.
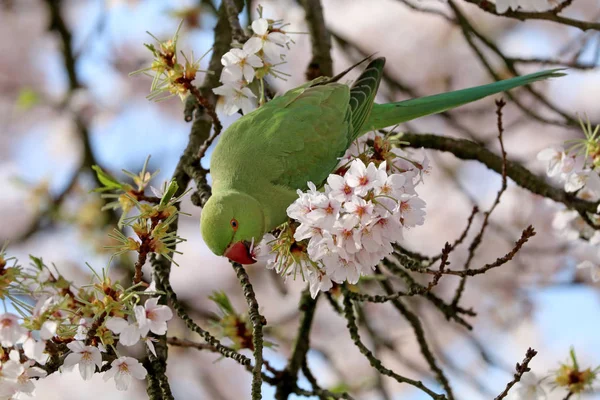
<point x="348" y="238"/>
<point x="361" y="177"/>
<point x="154" y="316"/>
<point x="241" y="63"/>
<point x="307" y="231"/>
<point x="236" y="97"/>
<point x="263" y="251"/>
<point x="412" y="211"/>
<point x="325" y="211"/>
<point x="324" y="248"/>
<point x="129" y="332"/>
<point x="25" y="381"/>
<point x="318" y="282"/>
<point x="361" y="209"/>
<point x="123" y="369"/>
<point x="82" y="328"/>
<point x="271" y="43"/>
<point x="151" y="317"/>
<point x="87" y="357"/>
<point x="34" y="350"/>
<point x="48" y="330"/>
<point x="337" y="188"/>
<point x="554" y="156"/>
<point x="11" y="332"/>
<point x="342" y="269"/>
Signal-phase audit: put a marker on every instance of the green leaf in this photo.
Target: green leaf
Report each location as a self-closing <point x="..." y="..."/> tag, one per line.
<point x="222" y="301"/>
<point x="169" y="193"/>
<point x="574" y="358"/>
<point x="37" y="262"/>
<point x="108" y="181"/>
<point x="340" y="388"/>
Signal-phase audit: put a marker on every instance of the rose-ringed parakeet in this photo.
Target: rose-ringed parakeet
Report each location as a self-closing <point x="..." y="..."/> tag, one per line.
<point x="265" y="156"/>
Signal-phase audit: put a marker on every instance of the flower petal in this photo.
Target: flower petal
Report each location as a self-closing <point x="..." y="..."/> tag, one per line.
<point x="260" y="26"/>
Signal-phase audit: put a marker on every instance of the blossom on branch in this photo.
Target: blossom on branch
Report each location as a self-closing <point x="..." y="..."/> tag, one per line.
<point x="340" y="233"/>
<point x="123" y="369"/>
<point x="87" y="357"/>
<point x="257" y="58"/>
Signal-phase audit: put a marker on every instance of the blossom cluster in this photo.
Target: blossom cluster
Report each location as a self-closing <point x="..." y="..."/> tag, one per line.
<point x="84" y="323"/>
<point x="258" y="57"/>
<point x="170" y="75"/>
<point x="341" y="232"/>
<point x="83" y="326"/>
<point x="151" y="224"/>
<point x="578" y="168"/>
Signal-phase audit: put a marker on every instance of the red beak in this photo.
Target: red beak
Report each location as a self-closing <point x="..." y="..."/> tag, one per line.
<point x="240" y="253"/>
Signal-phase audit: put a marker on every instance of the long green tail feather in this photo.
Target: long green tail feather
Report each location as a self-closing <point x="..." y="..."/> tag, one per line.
<point x="384" y="115"/>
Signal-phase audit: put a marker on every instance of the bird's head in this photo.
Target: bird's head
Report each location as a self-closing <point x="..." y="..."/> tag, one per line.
<point x="230" y="223"/>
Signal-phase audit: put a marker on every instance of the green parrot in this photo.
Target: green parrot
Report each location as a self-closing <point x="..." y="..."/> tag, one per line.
<point x="265" y="156"/>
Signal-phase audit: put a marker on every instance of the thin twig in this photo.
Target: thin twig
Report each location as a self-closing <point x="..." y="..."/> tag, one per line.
<point x="210" y="110"/>
<point x="443" y="262"/>
<point x="375" y="362"/>
<point x="174" y="341"/>
<point x="551" y="15"/>
<point x="449" y="312"/>
<point x="527" y="233"/>
<point x="468" y="30"/>
<point x="521" y="369"/>
<point x="462" y="237"/>
<point x="478" y="239"/>
<point x="415" y="322"/>
<point x="257" y="325"/>
<point x="318" y="390"/>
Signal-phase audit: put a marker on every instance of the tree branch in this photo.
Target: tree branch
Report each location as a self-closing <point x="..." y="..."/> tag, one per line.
<point x="290" y="374"/>
<point x="468" y="150"/>
<point x="551" y="15"/>
<point x="521" y="369"/>
<point x="257" y="325"/>
<point x="321" y="63"/>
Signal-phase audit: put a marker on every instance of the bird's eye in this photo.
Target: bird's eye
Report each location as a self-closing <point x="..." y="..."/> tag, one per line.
<point x="234" y="224"/>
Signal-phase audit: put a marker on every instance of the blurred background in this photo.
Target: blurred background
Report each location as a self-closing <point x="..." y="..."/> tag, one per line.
<point x="60" y="115"/>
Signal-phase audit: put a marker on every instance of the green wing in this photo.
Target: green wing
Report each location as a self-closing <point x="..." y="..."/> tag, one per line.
<point x="362" y="95"/>
<point x="329" y="118"/>
<point x="316" y="135"/>
<point x="292" y="139"/>
<point x="384" y="115"/>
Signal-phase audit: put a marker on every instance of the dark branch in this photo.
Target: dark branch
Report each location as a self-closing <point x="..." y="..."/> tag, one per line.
<point x="551" y="15"/>
<point x="468" y="150"/>
<point x="321" y="63"/>
<point x="290" y="373"/>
